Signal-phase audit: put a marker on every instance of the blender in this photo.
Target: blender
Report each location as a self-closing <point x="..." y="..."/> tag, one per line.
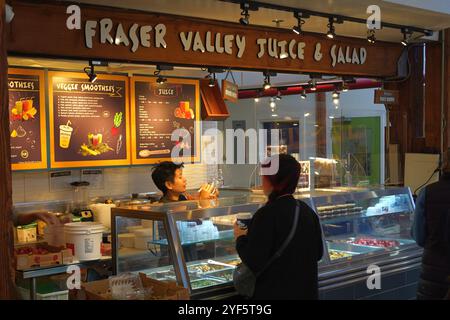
<point x="80" y="203"/>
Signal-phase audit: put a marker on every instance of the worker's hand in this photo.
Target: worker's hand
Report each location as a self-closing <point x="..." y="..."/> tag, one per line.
<point x="207" y="191"/>
<point x="47" y="217"/>
<point x="238" y="231"/>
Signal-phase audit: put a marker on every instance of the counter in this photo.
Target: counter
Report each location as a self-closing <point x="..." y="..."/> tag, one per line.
<point x="192" y="242"/>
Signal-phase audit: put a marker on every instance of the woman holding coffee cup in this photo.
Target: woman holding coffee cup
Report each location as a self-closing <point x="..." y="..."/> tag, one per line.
<point x="294" y="274"/>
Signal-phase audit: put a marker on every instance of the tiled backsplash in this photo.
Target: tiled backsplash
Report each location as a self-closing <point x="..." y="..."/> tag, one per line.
<point x="35" y="186"/>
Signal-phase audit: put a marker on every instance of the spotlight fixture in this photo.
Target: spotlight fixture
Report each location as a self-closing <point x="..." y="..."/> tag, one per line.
<point x="278" y="96"/>
<point x="331" y="31"/>
<point x="267" y="84"/>
<point x="245" y="16"/>
<point x="406" y="36"/>
<point x="344" y="87"/>
<point x="300" y="16"/>
<point x="272" y="104"/>
<point x="335" y="94"/>
<point x="371" y="36"/>
<point x="90" y="72"/>
<point x="160" y="80"/>
<point x="336" y="100"/>
<point x="312" y="84"/>
<point x="303" y="94"/>
<point x="212" y="80"/>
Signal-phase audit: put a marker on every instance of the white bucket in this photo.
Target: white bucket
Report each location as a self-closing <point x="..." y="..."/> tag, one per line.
<point x="84" y="238"/>
<point x="102" y="213"/>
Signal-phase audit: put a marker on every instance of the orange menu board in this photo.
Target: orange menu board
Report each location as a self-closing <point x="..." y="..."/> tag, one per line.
<point x="89" y="122"/>
<point x="27" y="119"/>
<point x="157" y="111"/>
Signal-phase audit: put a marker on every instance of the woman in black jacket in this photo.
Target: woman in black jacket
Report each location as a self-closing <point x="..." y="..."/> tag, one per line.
<point x="294" y="275"/>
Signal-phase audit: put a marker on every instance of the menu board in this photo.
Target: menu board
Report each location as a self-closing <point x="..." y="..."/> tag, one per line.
<point x="27" y="119"/>
<point x="89" y="122"/>
<point x="157" y="110"/>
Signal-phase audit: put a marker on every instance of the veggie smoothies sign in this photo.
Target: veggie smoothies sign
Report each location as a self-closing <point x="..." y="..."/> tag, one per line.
<point x="27" y="119"/>
<point x="88" y="121"/>
<point x="157" y="110"/>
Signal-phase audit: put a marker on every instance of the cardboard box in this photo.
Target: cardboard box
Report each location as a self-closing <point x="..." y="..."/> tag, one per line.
<point x="54" y="256"/>
<point x="161" y="290"/>
<point x="26" y="233"/>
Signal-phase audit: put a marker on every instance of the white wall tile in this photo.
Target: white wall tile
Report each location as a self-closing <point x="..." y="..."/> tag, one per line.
<point x="18" y="187"/>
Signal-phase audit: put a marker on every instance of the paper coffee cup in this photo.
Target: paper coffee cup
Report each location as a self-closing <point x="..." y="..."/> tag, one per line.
<point x="243" y="220"/>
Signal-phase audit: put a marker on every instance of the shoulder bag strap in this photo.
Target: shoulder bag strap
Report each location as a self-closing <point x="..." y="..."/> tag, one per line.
<point x="286" y="242"/>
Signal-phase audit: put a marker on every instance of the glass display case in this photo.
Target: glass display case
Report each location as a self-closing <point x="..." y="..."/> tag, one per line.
<point x="192" y="242"/>
<point x="357" y="225"/>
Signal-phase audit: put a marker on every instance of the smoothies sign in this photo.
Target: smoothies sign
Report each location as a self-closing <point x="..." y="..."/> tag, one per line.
<point x="27" y="119"/>
<point x="158" y="110"/>
<point x="88" y="121"/>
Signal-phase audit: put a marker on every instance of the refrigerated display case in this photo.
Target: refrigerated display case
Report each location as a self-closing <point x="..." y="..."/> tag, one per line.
<point x="192" y="242"/>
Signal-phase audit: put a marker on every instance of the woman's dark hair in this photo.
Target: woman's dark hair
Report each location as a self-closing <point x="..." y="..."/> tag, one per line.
<point x="286" y="179"/>
<point x="163" y="172"/>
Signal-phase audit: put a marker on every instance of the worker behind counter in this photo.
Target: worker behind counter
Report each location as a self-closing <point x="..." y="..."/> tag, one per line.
<point x="168" y="177"/>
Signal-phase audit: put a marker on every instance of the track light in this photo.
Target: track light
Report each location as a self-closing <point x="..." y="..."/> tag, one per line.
<point x="212" y="80"/>
<point x="336" y="99"/>
<point x="313" y="84"/>
<point x="335" y="94"/>
<point x="344" y="87"/>
<point x="272" y="104"/>
<point x="371" y="36"/>
<point x="303" y="94"/>
<point x="406" y="36"/>
<point x="160" y="80"/>
<point x="278" y="96"/>
<point x="331" y="31"/>
<point x="90" y="72"/>
<point x="245" y="16"/>
<point x="267" y="84"/>
<point x="300" y="22"/>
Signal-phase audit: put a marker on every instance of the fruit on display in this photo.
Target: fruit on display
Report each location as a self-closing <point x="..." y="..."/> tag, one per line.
<point x="376" y="242"/>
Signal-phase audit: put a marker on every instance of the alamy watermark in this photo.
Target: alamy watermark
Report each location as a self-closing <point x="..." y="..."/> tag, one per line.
<point x="237" y="147"/>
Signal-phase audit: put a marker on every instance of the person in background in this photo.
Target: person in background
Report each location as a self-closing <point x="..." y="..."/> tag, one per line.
<point x="294" y="275"/>
<point x="168" y="177"/>
<point x="431" y="230"/>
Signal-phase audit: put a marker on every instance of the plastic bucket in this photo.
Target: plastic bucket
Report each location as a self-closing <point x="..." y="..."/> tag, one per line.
<point x="102" y="213"/>
<point x="84" y="238"/>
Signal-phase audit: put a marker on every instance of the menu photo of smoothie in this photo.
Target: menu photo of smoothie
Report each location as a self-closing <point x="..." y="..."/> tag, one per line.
<point x="22" y="113"/>
<point x="96" y="142"/>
